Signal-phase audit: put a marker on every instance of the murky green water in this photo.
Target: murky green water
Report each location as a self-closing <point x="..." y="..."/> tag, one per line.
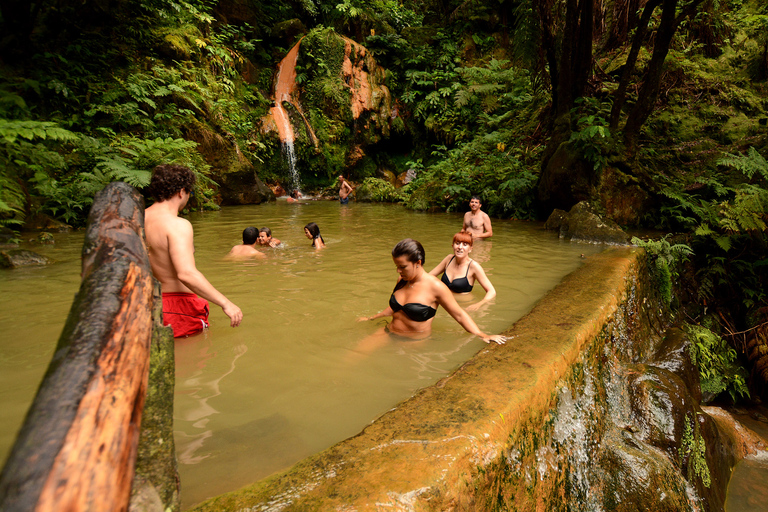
<point x="288" y="382"/>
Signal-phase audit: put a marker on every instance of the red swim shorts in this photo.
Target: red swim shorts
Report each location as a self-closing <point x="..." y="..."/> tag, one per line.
<point x="185" y="312"/>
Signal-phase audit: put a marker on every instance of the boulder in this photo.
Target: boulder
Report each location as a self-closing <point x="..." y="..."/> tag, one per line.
<point x="42" y="222"/>
<point x="7" y="237"/>
<point x="15" y="258"/>
<point x="243" y="187"/>
<point x="583" y="224"/>
<point x="45" y="238"/>
<point x="236" y="176"/>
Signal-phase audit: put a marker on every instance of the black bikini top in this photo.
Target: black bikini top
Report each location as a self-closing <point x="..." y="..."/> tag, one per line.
<point x="413" y="310"/>
<point x="460" y="284"/>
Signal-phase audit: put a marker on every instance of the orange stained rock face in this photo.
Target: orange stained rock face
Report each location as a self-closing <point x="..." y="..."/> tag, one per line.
<point x="358" y="83"/>
<point x="284" y="88"/>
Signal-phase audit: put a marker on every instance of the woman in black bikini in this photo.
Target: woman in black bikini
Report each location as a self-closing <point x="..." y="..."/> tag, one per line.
<point x="417" y="295"/>
<point x="460" y="264"/>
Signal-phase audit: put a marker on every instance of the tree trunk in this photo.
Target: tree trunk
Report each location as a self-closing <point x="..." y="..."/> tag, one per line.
<point x="77" y="447"/>
<point x="629" y="67"/>
<point x="649" y="91"/>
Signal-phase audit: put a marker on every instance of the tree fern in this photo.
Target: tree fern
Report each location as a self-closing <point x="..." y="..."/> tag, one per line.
<point x="750" y="164"/>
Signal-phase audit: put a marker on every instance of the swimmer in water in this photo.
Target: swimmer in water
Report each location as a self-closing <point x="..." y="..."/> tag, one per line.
<point x="460" y="271"/>
<point x="476" y="221"/>
<point x="248" y="248"/>
<point x="265" y="238"/>
<point x="417" y="295"/>
<point x="312" y="231"/>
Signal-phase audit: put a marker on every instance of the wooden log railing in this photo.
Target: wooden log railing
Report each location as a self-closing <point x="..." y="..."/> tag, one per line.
<point x="77" y="447"/>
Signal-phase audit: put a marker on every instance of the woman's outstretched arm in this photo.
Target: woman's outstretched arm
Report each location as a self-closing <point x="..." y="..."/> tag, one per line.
<point x="445" y="299"/>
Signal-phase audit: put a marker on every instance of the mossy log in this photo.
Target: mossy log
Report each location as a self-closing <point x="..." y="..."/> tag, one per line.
<point x="77" y="447"/>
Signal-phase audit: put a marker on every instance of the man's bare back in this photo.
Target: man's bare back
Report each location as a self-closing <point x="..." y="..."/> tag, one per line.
<point x="242" y="252"/>
<point x="171" y="246"/>
<point x="477" y="221"/>
<point x="247" y="249"/>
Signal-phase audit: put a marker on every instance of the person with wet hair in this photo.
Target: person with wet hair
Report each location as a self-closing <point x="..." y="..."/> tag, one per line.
<point x="460" y="271"/>
<point x="345" y="189"/>
<point x="265" y="238"/>
<point x="476" y="221"/>
<point x="170" y="243"/>
<point x="312" y="231"/>
<point x="248" y="248"/>
<point x="417" y="295"/>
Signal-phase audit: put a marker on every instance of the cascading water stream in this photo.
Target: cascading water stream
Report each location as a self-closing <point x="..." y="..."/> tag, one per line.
<point x="286" y="79"/>
<point x="285" y="85"/>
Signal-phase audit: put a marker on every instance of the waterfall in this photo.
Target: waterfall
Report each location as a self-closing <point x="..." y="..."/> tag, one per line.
<point x="285" y="85"/>
<point x="290" y="156"/>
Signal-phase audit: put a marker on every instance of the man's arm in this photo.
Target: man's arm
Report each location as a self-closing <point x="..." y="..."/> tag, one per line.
<point x="182" y="252"/>
<point x="466" y="223"/>
<point x="487" y="229"/>
<point x="346" y="186"/>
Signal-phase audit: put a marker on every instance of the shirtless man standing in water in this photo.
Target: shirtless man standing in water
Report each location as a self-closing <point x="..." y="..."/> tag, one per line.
<point x="477" y="221"/>
<point x="172" y="255"/>
<point x="344" y="190"/>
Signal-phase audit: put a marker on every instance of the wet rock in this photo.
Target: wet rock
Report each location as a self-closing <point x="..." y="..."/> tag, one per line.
<point x="45" y="238"/>
<point x="387" y="176"/>
<point x="243" y="187"/>
<point x="626" y="206"/>
<point x="43" y="222"/>
<point x="556" y="219"/>
<point x="633" y="475"/>
<point x="7" y="237"/>
<point x="583" y="224"/>
<point x="236" y="176"/>
<point x="15" y="258"/>
<point x="674" y="354"/>
<point x="566" y="179"/>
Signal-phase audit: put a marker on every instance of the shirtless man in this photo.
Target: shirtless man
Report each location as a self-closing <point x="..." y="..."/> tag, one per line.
<point x="344" y="190"/>
<point x="477" y="221"/>
<point x="172" y="255"/>
<point x="265" y="238"/>
<point x="247" y="249"/>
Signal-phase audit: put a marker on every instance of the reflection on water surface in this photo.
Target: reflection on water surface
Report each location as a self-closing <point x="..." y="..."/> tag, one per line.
<point x="253" y="400"/>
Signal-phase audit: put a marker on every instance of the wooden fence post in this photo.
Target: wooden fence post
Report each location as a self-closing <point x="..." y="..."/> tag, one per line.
<point x="77" y="448"/>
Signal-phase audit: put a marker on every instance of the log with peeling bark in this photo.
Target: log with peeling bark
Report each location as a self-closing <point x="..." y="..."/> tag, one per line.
<point x="77" y="448"/>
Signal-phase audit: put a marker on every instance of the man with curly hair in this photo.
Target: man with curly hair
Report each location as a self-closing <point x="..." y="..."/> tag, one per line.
<point x="172" y="255"/>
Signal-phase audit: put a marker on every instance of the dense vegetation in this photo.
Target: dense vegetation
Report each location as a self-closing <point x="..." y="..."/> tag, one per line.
<point x="656" y="111"/>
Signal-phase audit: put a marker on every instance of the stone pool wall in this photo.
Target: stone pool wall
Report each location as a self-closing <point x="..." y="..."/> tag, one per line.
<point x="591" y="405"/>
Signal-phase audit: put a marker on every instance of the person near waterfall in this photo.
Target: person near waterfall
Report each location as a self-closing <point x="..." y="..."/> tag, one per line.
<point x="476" y="221"/>
<point x="248" y="248"/>
<point x="170" y="243"/>
<point x="344" y="190"/>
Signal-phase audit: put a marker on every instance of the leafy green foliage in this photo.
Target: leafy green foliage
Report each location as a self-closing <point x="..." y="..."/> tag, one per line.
<point x="378" y="190"/>
<point x="666" y="261"/>
<point x="591" y="134"/>
<point x="693" y="449"/>
<point x="729" y="228"/>
<point x="717" y="362"/>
